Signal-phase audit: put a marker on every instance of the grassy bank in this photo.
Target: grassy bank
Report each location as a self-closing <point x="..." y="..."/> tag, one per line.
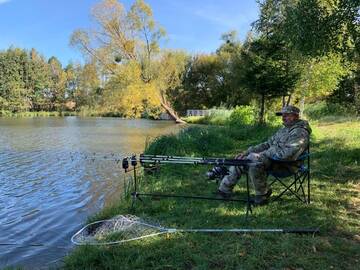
<point x="334" y="209"/>
<point x="246" y="115"/>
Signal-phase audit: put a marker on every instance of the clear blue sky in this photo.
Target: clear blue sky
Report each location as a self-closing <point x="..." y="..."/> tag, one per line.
<point x="193" y="25"/>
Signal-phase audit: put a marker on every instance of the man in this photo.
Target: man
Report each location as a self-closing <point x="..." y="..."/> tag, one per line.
<point x="287" y="144"/>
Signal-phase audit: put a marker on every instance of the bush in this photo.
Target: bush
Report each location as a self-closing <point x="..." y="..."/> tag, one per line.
<point x="218" y="116"/>
<point x="193" y="141"/>
<point x="323" y="109"/>
<point x="5" y="113"/>
<point x="242" y="116"/>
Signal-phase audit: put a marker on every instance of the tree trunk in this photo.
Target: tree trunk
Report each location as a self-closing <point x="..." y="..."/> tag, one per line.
<point x="262" y="110"/>
<point x="302" y="106"/>
<point x="357" y="97"/>
<point x="170" y="110"/>
<point x="288" y="101"/>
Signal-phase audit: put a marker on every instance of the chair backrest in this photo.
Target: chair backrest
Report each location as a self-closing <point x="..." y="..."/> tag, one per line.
<point x="285" y="168"/>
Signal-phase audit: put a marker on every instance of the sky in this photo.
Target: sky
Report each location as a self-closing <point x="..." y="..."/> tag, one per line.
<point x="192" y="25"/>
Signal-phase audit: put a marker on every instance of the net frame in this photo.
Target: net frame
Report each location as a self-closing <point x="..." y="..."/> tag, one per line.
<point x="134" y="228"/>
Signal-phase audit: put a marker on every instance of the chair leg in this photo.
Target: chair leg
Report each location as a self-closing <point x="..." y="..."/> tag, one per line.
<point x="308" y="181"/>
<point x="302" y="180"/>
<point x="287" y="188"/>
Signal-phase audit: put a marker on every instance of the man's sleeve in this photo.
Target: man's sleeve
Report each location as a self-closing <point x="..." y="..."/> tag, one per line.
<point x="260" y="147"/>
<point x="295" y="145"/>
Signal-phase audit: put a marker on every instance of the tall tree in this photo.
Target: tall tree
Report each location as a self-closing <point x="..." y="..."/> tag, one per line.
<point x="125" y="40"/>
<point x="38" y="80"/>
<point x="323" y="35"/>
<point x="229" y="92"/>
<point x="266" y="71"/>
<point x="13" y="68"/>
<point x="57" y="89"/>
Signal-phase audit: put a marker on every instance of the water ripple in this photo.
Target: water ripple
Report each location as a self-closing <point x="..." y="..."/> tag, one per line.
<point x="49" y="184"/>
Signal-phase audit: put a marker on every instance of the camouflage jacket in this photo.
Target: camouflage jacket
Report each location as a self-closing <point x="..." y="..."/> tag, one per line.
<point x="288" y="143"/>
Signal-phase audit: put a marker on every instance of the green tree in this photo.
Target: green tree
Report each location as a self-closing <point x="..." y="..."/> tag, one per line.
<point x="266" y="71"/>
<point x="229" y="92"/>
<point x="201" y="83"/>
<point x="56" y="92"/>
<point x="38" y="80"/>
<point x="13" y="92"/>
<point x="323" y="36"/>
<point x="88" y="91"/>
<point x="320" y="77"/>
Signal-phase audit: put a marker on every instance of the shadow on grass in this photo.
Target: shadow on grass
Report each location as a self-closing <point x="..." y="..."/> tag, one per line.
<point x="333" y="162"/>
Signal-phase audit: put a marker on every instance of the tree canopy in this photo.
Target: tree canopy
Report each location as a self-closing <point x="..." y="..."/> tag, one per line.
<point x="298" y="49"/>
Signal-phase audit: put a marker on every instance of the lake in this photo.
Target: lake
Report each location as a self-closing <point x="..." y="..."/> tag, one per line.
<point x="54" y="173"/>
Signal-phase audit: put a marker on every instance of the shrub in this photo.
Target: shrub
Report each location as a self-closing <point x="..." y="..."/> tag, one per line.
<point x="5" y="113"/>
<point x="242" y="115"/>
<point x="218" y="116"/>
<point x="323" y="109"/>
<point x="193" y="141"/>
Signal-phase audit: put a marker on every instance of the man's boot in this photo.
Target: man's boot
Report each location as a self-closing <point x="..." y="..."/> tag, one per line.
<point x="263" y="199"/>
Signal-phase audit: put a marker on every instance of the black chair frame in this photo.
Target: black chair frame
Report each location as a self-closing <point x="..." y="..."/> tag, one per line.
<point x="300" y="186"/>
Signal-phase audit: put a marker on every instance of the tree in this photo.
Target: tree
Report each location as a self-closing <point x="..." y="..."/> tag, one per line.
<point x="320" y="76"/>
<point x="265" y="70"/>
<point x="56" y="92"/>
<point x="38" y="80"/>
<point x="312" y="27"/>
<point x="89" y="90"/>
<point x="229" y="93"/>
<point x="126" y="40"/>
<point x="323" y="37"/>
<point x="318" y="27"/>
<point x="13" y="72"/>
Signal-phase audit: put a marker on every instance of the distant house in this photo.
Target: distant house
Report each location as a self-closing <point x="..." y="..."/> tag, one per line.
<point x="198" y="112"/>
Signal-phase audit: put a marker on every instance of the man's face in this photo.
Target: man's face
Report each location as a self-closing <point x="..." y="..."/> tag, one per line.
<point x="289" y="118"/>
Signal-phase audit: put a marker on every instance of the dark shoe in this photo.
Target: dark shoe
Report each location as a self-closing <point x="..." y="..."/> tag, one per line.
<point x="262" y="199"/>
<point x="217" y="172"/>
<point x="222" y="195"/>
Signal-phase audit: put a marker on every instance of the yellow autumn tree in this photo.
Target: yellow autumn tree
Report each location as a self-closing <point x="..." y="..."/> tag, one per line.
<point x="126" y="46"/>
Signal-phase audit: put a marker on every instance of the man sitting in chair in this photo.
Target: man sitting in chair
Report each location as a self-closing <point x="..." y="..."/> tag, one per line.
<point x="287" y="144"/>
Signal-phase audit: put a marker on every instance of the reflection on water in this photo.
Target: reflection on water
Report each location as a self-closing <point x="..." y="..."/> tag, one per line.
<point x="47" y="188"/>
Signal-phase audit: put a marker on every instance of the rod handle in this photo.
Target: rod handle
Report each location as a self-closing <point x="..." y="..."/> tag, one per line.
<point x="302" y="230"/>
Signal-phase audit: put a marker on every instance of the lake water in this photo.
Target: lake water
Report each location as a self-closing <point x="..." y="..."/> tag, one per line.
<point x="50" y="184"/>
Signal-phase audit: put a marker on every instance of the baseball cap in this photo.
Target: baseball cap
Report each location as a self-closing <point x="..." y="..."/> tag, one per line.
<point x="288" y="109"/>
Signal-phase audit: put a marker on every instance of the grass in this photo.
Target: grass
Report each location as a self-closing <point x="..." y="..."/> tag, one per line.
<point x="334" y="209"/>
<point x="216" y="117"/>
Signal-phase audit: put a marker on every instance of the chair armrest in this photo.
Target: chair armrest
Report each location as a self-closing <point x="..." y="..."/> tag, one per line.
<point x="276" y="159"/>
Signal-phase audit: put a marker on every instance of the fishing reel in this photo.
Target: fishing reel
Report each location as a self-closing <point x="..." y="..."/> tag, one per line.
<point x="127" y="161"/>
<point x="218" y="172"/>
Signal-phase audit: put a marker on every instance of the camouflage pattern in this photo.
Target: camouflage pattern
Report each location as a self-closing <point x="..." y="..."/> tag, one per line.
<point x="288" y="143"/>
<point x="288" y="109"/>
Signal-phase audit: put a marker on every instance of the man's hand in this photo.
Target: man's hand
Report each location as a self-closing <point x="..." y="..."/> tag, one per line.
<point x="254" y="156"/>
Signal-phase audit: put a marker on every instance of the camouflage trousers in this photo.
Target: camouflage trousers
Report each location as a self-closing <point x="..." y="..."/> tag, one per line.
<point x="256" y="172"/>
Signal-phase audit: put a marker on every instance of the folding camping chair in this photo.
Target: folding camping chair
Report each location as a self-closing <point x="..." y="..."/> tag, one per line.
<point x="293" y="176"/>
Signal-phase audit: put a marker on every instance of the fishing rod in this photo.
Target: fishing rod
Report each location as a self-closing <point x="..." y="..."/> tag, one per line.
<point x="162" y="159"/>
<point x="154" y="160"/>
<point x="143" y="159"/>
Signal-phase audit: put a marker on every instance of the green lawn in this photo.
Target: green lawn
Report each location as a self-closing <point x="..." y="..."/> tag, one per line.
<point x="335" y="209"/>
